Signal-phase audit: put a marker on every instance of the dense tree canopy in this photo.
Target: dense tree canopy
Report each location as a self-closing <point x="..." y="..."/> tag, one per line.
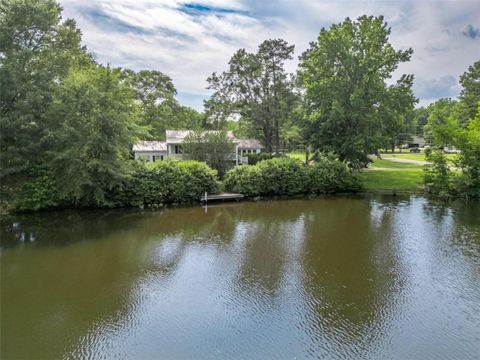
<point x="213" y="147"/>
<point x="452" y="123"/>
<point x="96" y="121"/>
<point x="442" y="122"/>
<point x="160" y="110"/>
<point x="351" y="106"/>
<point x="257" y="87"/>
<point x="37" y="50"/>
<point x="470" y="94"/>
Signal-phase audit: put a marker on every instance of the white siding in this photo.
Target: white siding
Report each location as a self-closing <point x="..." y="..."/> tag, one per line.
<point x="148" y="155"/>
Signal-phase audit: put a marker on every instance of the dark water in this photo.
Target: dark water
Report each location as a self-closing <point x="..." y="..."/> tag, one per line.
<point x="340" y="278"/>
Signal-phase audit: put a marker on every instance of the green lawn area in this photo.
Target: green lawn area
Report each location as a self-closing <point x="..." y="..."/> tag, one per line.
<point x="406" y="180"/>
<point x="300" y="155"/>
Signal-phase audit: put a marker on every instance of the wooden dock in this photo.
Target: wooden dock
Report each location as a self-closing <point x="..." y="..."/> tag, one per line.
<point x="221" y="197"/>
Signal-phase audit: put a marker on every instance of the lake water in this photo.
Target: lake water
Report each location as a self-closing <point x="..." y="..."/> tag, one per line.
<point x="373" y="277"/>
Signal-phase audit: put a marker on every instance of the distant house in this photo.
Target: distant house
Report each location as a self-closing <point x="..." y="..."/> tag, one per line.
<point x="150" y="150"/>
<point x="419" y="140"/>
<point x="172" y="147"/>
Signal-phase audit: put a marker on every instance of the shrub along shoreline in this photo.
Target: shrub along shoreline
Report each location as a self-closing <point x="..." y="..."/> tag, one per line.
<point x="173" y="182"/>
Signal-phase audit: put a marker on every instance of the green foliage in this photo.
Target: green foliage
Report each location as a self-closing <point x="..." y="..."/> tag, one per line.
<point x="291" y="135"/>
<point x="468" y="140"/>
<point x="37" y="193"/>
<point x="350" y="107"/>
<point x="282" y="176"/>
<point x="285" y="176"/>
<point x="419" y="118"/>
<point x="166" y="182"/>
<point x="329" y="175"/>
<point x="470" y="95"/>
<point x="255" y="158"/>
<point x="257" y="87"/>
<point x="37" y="51"/>
<point x="438" y="176"/>
<point x="96" y="119"/>
<point x="447" y="126"/>
<point x="442" y="122"/>
<point x="160" y="110"/>
<point x="215" y="148"/>
<point x="243" y="179"/>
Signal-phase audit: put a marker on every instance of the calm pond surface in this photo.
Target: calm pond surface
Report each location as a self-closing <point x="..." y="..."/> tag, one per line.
<point x="373" y="277"/>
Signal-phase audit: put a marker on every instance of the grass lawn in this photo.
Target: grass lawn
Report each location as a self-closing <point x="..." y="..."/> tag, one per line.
<point x="406" y="180"/>
<point x="299" y="155"/>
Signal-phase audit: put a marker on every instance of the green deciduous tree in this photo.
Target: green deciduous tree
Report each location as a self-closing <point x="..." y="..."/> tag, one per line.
<point x="351" y="106"/>
<point x="470" y="95"/>
<point x="97" y="122"/>
<point x="419" y="120"/>
<point x="160" y="110"/>
<point x="442" y="122"/>
<point x="37" y="50"/>
<point x="215" y="148"/>
<point x="257" y="87"/>
<point x="468" y="141"/>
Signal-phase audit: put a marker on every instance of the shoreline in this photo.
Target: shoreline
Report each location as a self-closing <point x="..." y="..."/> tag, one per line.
<point x="391" y="192"/>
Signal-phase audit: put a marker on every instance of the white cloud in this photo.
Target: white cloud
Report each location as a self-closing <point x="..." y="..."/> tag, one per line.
<point x="190" y="40"/>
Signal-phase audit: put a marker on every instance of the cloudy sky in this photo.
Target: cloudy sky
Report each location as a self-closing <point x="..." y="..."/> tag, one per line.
<point x="188" y="40"/>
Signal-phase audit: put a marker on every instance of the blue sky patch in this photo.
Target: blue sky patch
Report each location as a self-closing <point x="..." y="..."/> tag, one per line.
<point x="199" y="9"/>
<point x="471" y="31"/>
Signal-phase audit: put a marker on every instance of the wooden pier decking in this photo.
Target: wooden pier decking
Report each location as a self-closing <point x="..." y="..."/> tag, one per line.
<point x="221" y="197"/>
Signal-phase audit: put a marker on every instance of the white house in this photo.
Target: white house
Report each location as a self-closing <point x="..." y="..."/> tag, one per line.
<point x="172" y="147"/>
<point x="150" y="150"/>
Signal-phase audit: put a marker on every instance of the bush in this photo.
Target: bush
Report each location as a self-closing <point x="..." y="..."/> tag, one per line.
<point x="285" y="176"/>
<point x="329" y="175"/>
<point x="244" y="179"/>
<point x="37" y="193"/>
<point x="167" y="182"/>
<point x="255" y="158"/>
<point x="438" y="176"/>
<point x="282" y="176"/>
<point x="197" y="179"/>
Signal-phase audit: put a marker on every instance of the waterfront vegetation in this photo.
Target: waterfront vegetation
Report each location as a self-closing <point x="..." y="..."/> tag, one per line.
<point x="68" y="123"/>
<point x="369" y="273"/>
<point x="286" y="176"/>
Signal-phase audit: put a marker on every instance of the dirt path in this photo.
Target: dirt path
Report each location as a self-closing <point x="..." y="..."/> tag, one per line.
<point x="374" y="168"/>
<point x="406" y="161"/>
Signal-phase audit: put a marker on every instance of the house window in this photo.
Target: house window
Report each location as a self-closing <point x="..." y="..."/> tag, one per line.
<point x="153" y="158"/>
<point x="178" y="149"/>
<point x="161" y="157"/>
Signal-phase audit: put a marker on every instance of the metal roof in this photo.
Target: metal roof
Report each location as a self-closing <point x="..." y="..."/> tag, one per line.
<point x="249" y="144"/>
<point x="177" y="136"/>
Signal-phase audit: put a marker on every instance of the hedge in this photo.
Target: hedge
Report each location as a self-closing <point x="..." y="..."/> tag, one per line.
<point x="167" y="182"/>
<point x="285" y="176"/>
<point x="176" y="182"/>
